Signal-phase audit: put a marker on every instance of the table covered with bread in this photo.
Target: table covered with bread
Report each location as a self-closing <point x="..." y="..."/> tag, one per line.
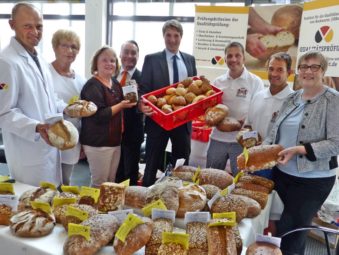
<point x="176" y="193"/>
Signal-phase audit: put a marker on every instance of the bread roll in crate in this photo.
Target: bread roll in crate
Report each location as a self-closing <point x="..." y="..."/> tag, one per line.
<point x="182" y="102"/>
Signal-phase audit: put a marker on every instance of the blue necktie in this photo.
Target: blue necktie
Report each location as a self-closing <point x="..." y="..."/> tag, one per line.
<point x="175" y="70"/>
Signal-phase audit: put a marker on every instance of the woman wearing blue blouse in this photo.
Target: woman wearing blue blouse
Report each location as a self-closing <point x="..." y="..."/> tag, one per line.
<point x="307" y="127"/>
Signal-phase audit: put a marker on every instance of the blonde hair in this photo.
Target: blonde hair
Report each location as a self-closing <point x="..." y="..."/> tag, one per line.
<point x="64" y="34"/>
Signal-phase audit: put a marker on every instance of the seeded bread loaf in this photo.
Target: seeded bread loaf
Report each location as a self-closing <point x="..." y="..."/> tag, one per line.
<point x="103" y="228"/>
<point x="112" y="197"/>
<point x="260" y="197"/>
<point x="135" y="196"/>
<point x="159" y="225"/>
<point x="66" y="219"/>
<point x="197" y="238"/>
<point x="262" y="181"/>
<point x="263" y="248"/>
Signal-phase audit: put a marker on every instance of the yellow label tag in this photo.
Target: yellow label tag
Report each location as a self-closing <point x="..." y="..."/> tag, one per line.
<point x="159" y="204"/>
<point x="129" y="223"/>
<point x="71" y="189"/>
<point x="7" y="188"/>
<point x="245" y="152"/>
<point x="125" y="183"/>
<point x="91" y="192"/>
<point x="236" y="178"/>
<point x="196" y="176"/>
<point x="178" y="238"/>
<point x="77" y="229"/>
<point x="224" y="192"/>
<point x="47" y="185"/>
<point x="73" y="99"/>
<point x="4" y="178"/>
<point x="43" y="206"/>
<point x="185" y="183"/>
<point x="226" y="219"/>
<point x="58" y="201"/>
<point x="80" y="214"/>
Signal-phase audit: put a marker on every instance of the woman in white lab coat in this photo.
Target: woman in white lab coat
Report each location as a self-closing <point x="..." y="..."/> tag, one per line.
<point x="67" y="85"/>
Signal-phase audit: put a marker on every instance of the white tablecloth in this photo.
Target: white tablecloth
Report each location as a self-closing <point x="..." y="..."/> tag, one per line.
<point x="53" y="243"/>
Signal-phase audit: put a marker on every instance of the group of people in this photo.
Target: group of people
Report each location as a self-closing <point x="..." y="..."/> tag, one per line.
<point x="304" y="122"/>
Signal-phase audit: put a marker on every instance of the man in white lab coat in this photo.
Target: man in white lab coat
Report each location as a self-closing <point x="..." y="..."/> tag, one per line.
<point x="27" y="99"/>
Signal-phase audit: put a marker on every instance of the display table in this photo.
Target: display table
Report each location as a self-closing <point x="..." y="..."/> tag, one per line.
<point x="53" y="243"/>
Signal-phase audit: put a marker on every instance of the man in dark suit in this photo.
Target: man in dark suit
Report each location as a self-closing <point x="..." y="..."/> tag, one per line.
<point x="133" y="134"/>
<point x="160" y="70"/>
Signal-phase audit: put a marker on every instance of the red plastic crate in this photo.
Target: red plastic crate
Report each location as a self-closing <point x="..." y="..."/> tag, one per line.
<point x="176" y="118"/>
<point x="200" y="131"/>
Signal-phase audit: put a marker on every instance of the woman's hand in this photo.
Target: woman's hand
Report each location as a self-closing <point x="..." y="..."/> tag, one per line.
<point x="286" y="154"/>
<point x="127" y="104"/>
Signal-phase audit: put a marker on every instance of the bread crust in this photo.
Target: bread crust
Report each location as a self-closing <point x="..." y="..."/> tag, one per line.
<point x="259" y="157"/>
<point x="81" y="108"/>
<point x="263" y="249"/>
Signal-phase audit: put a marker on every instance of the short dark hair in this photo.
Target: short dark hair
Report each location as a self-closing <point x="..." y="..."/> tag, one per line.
<point x="283" y="56"/>
<point x="235" y="44"/>
<point x="173" y="23"/>
<point x="132" y="42"/>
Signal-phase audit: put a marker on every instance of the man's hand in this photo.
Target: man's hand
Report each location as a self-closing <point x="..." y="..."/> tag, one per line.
<point x="145" y="109"/>
<point x="42" y="130"/>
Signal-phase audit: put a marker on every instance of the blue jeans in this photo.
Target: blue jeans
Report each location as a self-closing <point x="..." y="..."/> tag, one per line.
<point x="219" y="152"/>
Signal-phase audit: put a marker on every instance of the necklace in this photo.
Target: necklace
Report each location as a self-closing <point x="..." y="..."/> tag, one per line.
<point x="66" y="72"/>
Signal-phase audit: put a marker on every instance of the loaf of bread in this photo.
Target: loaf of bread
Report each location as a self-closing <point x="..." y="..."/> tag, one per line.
<point x="247" y="142"/>
<point x="167" y="192"/>
<point x="279" y="42"/>
<point x="184" y="173"/>
<point x="238" y="240"/>
<point x="81" y="108"/>
<point x="159" y="225"/>
<point x="103" y="228"/>
<point x="32" y="223"/>
<point x="252" y="186"/>
<point x="263" y="248"/>
<point x="230" y="203"/>
<point x="262" y="181"/>
<point x="210" y="190"/>
<point x="289" y="18"/>
<point x="135" y="196"/>
<point x="259" y="157"/>
<point x="219" y="178"/>
<point x="136" y="238"/>
<point x="221" y="240"/>
<point x="197" y="238"/>
<point x="253" y="207"/>
<point x="260" y="197"/>
<point x="192" y="198"/>
<point x="36" y="194"/>
<point x="112" y="197"/>
<point x="214" y="115"/>
<point x="63" y="135"/>
<point x="171" y="249"/>
<point x="229" y="124"/>
<point x="66" y="219"/>
<point x="5" y="214"/>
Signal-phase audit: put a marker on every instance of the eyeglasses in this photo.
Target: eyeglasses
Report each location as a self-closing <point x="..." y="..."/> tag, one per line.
<point x="314" y="68"/>
<point x="72" y="47"/>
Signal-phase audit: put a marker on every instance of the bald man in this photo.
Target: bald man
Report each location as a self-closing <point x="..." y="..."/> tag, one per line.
<point x="27" y="99"/>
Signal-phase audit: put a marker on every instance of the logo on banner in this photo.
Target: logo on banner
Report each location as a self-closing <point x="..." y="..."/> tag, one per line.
<point x="218" y="60"/>
<point x="324" y="33"/>
<point x="3" y="86"/>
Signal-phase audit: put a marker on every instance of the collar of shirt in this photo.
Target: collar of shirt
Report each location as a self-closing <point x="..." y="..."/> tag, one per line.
<point x="169" y="55"/>
<point x="281" y="95"/>
<point x="243" y="75"/>
<point x="130" y="72"/>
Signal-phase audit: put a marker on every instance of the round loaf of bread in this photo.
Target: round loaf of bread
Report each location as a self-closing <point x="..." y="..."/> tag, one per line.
<point x="63" y="135"/>
<point x="259" y="157"/>
<point x="229" y="124"/>
<point x="36" y="194"/>
<point x="230" y="203"/>
<point x="214" y="115"/>
<point x="263" y="249"/>
<point x="167" y="192"/>
<point x="253" y="207"/>
<point x="81" y="108"/>
<point x="136" y="238"/>
<point x="217" y="177"/>
<point x="66" y="219"/>
<point x="289" y="18"/>
<point x="210" y="190"/>
<point x="192" y="198"/>
<point x="32" y="223"/>
<point x="184" y="173"/>
<point x="135" y="196"/>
